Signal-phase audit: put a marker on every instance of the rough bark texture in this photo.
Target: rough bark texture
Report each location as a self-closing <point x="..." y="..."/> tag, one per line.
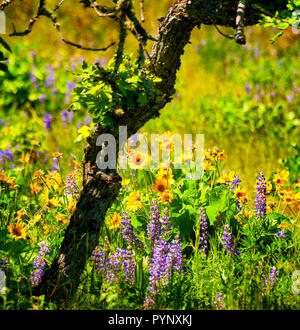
<point x="100" y="188"/>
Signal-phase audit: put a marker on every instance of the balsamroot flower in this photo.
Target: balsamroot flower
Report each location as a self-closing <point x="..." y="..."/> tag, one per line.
<point x="261" y="197"/>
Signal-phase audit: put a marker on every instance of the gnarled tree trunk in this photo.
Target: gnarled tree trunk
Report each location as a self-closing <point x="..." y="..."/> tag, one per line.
<point x="100" y="188"/>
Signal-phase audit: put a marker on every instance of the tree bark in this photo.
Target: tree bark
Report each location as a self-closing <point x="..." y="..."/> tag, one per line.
<point x="100" y="188"/>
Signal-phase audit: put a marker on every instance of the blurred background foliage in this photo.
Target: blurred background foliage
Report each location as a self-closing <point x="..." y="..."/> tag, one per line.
<point x="244" y="99"/>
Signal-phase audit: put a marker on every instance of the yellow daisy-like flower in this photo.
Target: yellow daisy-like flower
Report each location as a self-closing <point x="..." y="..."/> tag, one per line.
<point x="208" y="166"/>
<point x="167" y="196"/>
<point x="17" y="231"/>
<point x="288" y="196"/>
<point x="35" y="188"/>
<point x="161" y="185"/>
<point x="72" y="205"/>
<point x="34" y="143"/>
<point x="134" y="201"/>
<point x="226" y="177"/>
<point x="47" y="229"/>
<point x="25" y="158"/>
<point x="61" y="218"/>
<point x="269" y="187"/>
<point x="281" y="177"/>
<point x="166" y="174"/>
<point x="215" y="154"/>
<point x="6" y="178"/>
<point x="284" y="225"/>
<point x="138" y="160"/>
<point x="241" y="195"/>
<point x="114" y="221"/>
<point x="125" y="182"/>
<point x="57" y="155"/>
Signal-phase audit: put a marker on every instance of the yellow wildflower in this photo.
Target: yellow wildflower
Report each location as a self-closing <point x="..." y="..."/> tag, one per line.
<point x="208" y="166"/>
<point x="226" y="177"/>
<point x="281" y="177"/>
<point x="134" y="201"/>
<point x="241" y="195"/>
<point x="166" y="174"/>
<point x="25" y="157"/>
<point x="71" y="205"/>
<point x="61" y="218"/>
<point x="160" y="185"/>
<point x="35" y="188"/>
<point x="17" y="231"/>
<point x="114" y="221"/>
<point x="138" y="160"/>
<point x="57" y="155"/>
<point x="167" y="196"/>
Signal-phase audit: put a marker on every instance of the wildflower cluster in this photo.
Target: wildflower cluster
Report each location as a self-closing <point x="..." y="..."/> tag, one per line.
<point x="39" y="263"/>
<point x="166" y="257"/>
<point x="114" y="268"/>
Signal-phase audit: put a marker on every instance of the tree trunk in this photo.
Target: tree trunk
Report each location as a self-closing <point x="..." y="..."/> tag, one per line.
<point x="100" y="188"/>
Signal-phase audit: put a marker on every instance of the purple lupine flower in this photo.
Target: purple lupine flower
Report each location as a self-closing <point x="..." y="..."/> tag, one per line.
<point x="98" y="258"/>
<point x="237" y="252"/>
<point x="235" y="184"/>
<point x="281" y="234"/>
<point x="119" y="266"/>
<point x="166" y="259"/>
<point x="33" y="80"/>
<point x="127" y="231"/>
<point x="203" y="230"/>
<point x="39" y="263"/>
<point x="227" y="239"/>
<point x="3" y="262"/>
<point x="175" y="257"/>
<point x="64" y="117"/>
<point x="50" y="80"/>
<point x="47" y="121"/>
<point x="55" y="166"/>
<point x="87" y="120"/>
<point x="154" y="228"/>
<point x="71" y="186"/>
<point x="42" y="97"/>
<point x="248" y="88"/>
<point x="272" y="279"/>
<point x="261" y="198"/>
<point x="79" y="125"/>
<point x="32" y="54"/>
<point x="165" y="222"/>
<point x="218" y="303"/>
<point x="290" y="97"/>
